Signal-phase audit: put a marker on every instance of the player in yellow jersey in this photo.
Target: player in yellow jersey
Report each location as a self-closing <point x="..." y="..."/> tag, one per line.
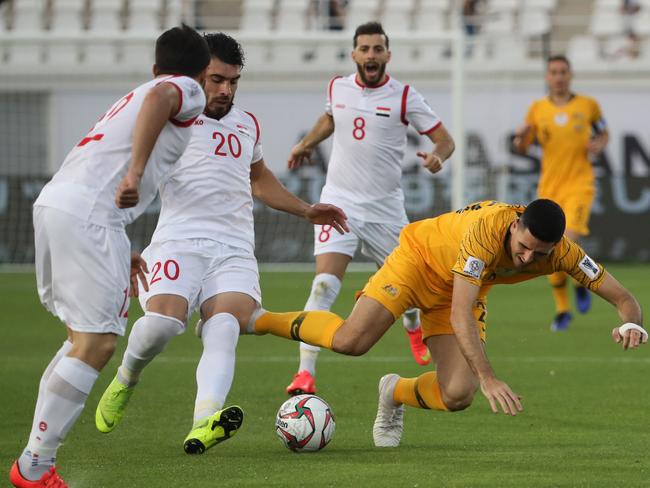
<point x="445" y="266"/>
<point x="570" y="128"/>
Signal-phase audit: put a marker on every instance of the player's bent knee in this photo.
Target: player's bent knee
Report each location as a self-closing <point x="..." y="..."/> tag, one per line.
<point x="349" y="344"/>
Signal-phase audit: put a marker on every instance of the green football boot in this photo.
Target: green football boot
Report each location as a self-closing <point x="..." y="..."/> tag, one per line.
<point x="110" y="409"/>
<point x="212" y="430"/>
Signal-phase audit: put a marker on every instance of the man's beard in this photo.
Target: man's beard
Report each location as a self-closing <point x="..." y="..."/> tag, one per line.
<point x="381" y="69"/>
<point x="219" y="111"/>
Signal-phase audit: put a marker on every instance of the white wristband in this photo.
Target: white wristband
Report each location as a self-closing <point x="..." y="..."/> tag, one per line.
<point x="630" y="326"/>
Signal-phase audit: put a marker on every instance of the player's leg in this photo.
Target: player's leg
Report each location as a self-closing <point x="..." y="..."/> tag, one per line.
<point x="174" y="279"/>
<point x="230" y="293"/>
<point x="450" y="388"/>
<point x="330" y="268"/>
<point x="333" y="253"/>
<point x="578" y="211"/>
<point x="378" y="241"/>
<point x="86" y="287"/>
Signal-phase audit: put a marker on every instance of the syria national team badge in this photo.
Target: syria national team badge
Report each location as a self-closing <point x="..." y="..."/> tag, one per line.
<point x="382" y="111"/>
<point x="242" y="129"/>
<point x="390" y="290"/>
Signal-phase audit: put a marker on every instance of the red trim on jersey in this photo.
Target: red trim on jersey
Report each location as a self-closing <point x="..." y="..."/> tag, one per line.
<point x="356" y="80"/>
<point x="183" y="123"/>
<point x="331" y="85"/>
<point x="426" y="132"/>
<point x="180" y="96"/>
<point x="383" y="108"/>
<point x="402" y="114"/>
<point x="257" y="126"/>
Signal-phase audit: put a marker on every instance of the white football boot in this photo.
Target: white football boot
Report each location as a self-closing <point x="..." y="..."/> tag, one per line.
<point x="389" y="423"/>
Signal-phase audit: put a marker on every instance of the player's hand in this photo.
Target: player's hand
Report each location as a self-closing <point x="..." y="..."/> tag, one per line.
<point x="595" y="146"/>
<point x="299" y="154"/>
<point x="138" y="270"/>
<point x="127" y="191"/>
<point x="326" y="214"/>
<point x="630" y="339"/>
<point x="520" y="136"/>
<point x="497" y="391"/>
<point x="431" y="161"/>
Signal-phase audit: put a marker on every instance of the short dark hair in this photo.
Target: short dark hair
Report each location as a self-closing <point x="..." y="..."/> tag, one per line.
<point x="225" y="48"/>
<point x="369" y="28"/>
<point x="545" y="220"/>
<point x="181" y="51"/>
<point x="558" y="57"/>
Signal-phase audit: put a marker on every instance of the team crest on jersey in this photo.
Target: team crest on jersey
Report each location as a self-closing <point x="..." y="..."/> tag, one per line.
<point x="390" y="290"/>
<point x="561" y="119"/>
<point x="382" y="111"/>
<point x="474" y="267"/>
<point x="589" y="267"/>
<point x="242" y="129"/>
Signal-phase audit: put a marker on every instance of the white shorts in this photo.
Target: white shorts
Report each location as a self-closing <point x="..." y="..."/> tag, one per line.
<point x="82" y="271"/>
<point x="377" y="239"/>
<point x="198" y="269"/>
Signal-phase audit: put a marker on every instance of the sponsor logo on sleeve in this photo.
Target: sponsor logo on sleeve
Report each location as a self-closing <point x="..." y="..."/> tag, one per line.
<point x="589" y="267"/>
<point x="474" y="267"/>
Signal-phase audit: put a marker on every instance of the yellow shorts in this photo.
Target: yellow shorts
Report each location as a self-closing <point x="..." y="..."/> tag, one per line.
<point x="577" y="208"/>
<point x="399" y="285"/>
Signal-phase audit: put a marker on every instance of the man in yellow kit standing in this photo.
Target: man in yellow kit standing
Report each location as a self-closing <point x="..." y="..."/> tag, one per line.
<point x="445" y="266"/>
<point x="570" y="128"/>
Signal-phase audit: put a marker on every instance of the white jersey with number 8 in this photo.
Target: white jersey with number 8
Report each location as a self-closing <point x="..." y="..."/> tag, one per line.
<point x="370" y="124"/>
<point x="87" y="181"/>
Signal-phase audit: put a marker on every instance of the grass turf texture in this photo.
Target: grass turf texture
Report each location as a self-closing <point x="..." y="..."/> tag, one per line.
<point x="585" y="421"/>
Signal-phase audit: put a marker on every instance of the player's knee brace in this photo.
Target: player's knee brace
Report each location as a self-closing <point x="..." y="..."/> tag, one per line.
<point x="220" y="332"/>
<point x="152" y="332"/>
<point x="324" y="290"/>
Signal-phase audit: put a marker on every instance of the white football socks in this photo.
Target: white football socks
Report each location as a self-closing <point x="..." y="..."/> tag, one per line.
<point x="148" y="338"/>
<point x="65" y="348"/>
<point x="411" y="319"/>
<point x="216" y="369"/>
<point x="324" y="290"/>
<point x="66" y="391"/>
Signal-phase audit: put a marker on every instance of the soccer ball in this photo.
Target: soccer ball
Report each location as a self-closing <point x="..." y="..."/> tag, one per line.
<point x="305" y="423"/>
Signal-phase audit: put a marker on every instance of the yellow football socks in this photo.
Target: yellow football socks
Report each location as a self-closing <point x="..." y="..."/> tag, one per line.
<point x="558" y="281"/>
<point x="420" y="392"/>
<point x="316" y="327"/>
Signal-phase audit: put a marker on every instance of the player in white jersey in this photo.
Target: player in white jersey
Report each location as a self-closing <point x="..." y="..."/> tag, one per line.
<point x="368" y="112"/>
<point x="82" y="251"/>
<point x="202" y="253"/>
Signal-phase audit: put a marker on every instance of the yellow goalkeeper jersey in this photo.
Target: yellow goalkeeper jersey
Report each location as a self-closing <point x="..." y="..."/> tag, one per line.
<point x="563" y="132"/>
<point x="471" y="243"/>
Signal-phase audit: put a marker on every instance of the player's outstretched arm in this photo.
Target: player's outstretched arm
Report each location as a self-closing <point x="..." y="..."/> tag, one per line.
<point x="267" y="188"/>
<point x="523" y="138"/>
<point x="597" y="144"/>
<point x="629" y="312"/>
<point x="302" y="151"/>
<point x="160" y="104"/>
<point x="497" y="392"/>
<point x="444" y="147"/>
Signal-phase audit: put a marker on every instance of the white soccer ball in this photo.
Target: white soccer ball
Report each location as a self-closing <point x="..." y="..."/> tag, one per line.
<point x="305" y="423"/>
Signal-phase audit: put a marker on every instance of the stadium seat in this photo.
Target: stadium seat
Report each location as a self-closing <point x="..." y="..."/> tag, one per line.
<point x="292" y="16"/>
<point x="335" y="55"/>
<point x="67" y="16"/>
<point x="256" y="15"/>
<point x="583" y="50"/>
<point x="173" y="14"/>
<point x="534" y="22"/>
<point x="25" y="54"/>
<point x="361" y="11"/>
<point x="499" y="22"/>
<point x="398" y="15"/>
<point x="606" y="23"/>
<point x="548" y="5"/>
<point x="144" y="16"/>
<point x="607" y="4"/>
<point x="437" y="5"/>
<point x="106" y="16"/>
<point x="430" y="17"/>
<point x="4" y="18"/>
<point x="137" y="54"/>
<point x="502" y="5"/>
<point x="28" y="15"/>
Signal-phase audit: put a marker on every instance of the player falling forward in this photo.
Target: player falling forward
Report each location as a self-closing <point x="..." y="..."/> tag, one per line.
<point x="202" y="253"/>
<point x="368" y="112"/>
<point x="82" y="251"/>
<point x="445" y="266"/>
<point x="570" y="128"/>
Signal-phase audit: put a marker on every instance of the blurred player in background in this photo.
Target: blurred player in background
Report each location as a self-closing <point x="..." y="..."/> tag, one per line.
<point x="202" y="253"/>
<point x="446" y="266"/>
<point x="570" y="128"/>
<point x="368" y="112"/>
<point x="82" y="251"/>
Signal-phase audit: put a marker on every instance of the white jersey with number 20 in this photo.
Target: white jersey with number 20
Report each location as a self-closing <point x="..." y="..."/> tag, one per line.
<point x="86" y="184"/>
<point x="370" y="124"/>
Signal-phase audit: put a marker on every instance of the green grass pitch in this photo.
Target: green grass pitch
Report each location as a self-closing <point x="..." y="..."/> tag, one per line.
<point x="586" y="421"/>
